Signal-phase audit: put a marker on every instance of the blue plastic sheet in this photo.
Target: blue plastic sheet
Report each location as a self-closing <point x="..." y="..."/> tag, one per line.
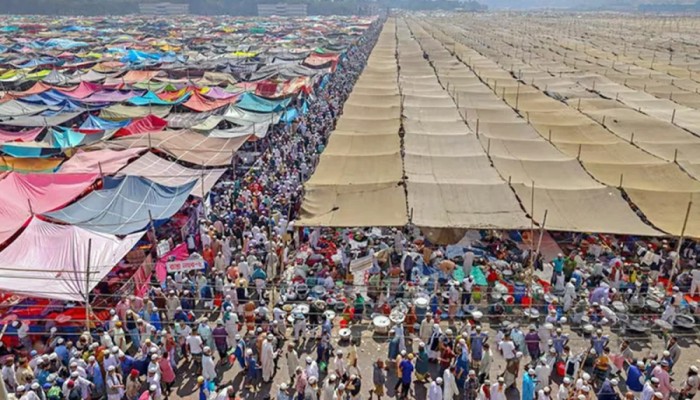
<point x="97" y="123"/>
<point x="251" y="102"/>
<point x="151" y="98"/>
<point x="125" y="206"/>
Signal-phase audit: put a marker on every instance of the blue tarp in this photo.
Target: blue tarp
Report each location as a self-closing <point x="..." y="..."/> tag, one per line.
<point x="151" y="98"/>
<point x="251" y="102"/>
<point x="62" y="138"/>
<point x="50" y="98"/>
<point x="97" y="123"/>
<point x="123" y="206"/>
<point x="290" y="115"/>
<point x="135" y="56"/>
<point x="65" y="44"/>
<point x="21" y="150"/>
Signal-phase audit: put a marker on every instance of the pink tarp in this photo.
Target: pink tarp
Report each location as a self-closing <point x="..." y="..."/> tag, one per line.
<point x="110" y="161"/>
<point x="27" y="135"/>
<point x="51" y="261"/>
<point x="24" y="195"/>
<point x="149" y="123"/>
<point x="218" y="93"/>
<point x="179" y="253"/>
<point x="81" y="91"/>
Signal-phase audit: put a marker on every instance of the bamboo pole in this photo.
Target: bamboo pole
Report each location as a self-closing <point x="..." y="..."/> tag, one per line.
<point x="680" y="243"/>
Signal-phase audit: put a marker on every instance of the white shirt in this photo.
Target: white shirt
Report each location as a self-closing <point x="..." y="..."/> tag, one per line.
<point x="312" y="370"/>
<point x="467" y="285"/>
<point x="508" y="349"/>
<point x="195" y="343"/>
<point x="496" y="394"/>
<point x="563" y="393"/>
<point x="695" y="273"/>
<point x="339" y="365"/>
<point x="208" y="368"/>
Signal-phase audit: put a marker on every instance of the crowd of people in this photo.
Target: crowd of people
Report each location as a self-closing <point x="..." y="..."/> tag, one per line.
<point x="244" y="240"/>
<point x="278" y="298"/>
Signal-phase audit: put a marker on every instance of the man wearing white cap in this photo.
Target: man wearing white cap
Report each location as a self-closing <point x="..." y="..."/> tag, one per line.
<point x="282" y="392"/>
<point x="229" y="393"/>
<point x="529" y="388"/>
<point x="311" y="392"/>
<point x="498" y="390"/>
<point x="450" y="384"/>
<point x="112" y="359"/>
<point x="153" y="380"/>
<point x="267" y="358"/>
<point x="691" y="383"/>
<point x="544" y="394"/>
<point x="231" y="324"/>
<point x="569" y="294"/>
<point x="435" y="390"/>
<point x="329" y="388"/>
<point x="563" y="392"/>
<point x="115" y="384"/>
<point x="84" y="385"/>
<point x="208" y="365"/>
<point x="650" y="388"/>
<point x="311" y="368"/>
<point x="661" y="373"/>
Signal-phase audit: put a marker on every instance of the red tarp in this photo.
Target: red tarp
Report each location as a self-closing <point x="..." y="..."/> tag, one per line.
<point x="27" y="135"/>
<point x="150" y="123"/>
<point x="199" y="103"/>
<point x="25" y="195"/>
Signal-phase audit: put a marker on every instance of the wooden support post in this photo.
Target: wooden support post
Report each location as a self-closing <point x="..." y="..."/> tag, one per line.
<point x="680" y="243"/>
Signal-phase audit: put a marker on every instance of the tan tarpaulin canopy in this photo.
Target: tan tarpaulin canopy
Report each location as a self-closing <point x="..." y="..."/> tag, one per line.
<point x="450" y="181"/>
<point x="587" y="210"/>
<point x="668" y="209"/>
<point x="358" y="178"/>
<point x="575" y="201"/>
<point x="184" y="145"/>
<point x="623" y="142"/>
<point x="470" y="128"/>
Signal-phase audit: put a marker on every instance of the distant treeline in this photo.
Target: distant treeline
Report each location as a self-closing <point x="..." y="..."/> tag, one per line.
<point x="223" y="7"/>
<point x="669" y="7"/>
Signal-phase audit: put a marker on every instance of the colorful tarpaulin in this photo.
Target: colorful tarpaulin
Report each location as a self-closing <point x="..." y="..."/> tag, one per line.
<point x="170" y="173"/>
<point x="104" y="161"/>
<point x="125" y="205"/>
<point x="52" y="261"/>
<point x="25" y="195"/>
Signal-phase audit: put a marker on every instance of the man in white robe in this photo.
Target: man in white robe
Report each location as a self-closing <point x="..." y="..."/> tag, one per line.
<point x="569" y="294"/>
<point x="435" y="390"/>
<point x="451" y="390"/>
<point x="267" y="358"/>
<point x="292" y="360"/>
<point x="208" y="365"/>
<point x="426" y="328"/>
